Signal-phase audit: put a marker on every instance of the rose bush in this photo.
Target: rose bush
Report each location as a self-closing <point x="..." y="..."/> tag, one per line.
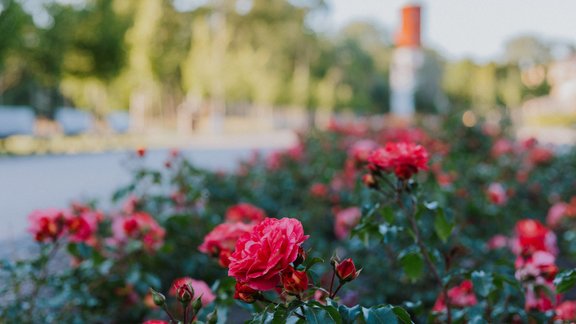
<point x="468" y="225"/>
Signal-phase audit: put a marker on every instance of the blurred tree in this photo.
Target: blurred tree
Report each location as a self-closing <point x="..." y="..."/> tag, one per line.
<point x="527" y="50"/>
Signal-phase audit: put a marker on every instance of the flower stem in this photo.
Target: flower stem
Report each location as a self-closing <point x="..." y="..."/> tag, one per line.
<point x="332" y="281"/>
<point x="340" y="284"/>
<point x="185" y="314"/>
<point x="172" y="320"/>
<point x="410" y="214"/>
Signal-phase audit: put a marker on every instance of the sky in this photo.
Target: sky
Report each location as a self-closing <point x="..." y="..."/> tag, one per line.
<point x="476" y="29"/>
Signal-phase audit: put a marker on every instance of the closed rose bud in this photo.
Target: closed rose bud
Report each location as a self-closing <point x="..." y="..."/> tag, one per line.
<point x="346" y="270"/>
<point x="246" y="294"/>
<point x="141" y="152"/>
<point x="157" y="297"/>
<point x="212" y="318"/>
<point x="293" y="281"/>
<point x="183" y="289"/>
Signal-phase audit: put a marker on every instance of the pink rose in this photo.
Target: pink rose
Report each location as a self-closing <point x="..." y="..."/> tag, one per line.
<point x="566" y="311"/>
<point x="222" y="239"/>
<point x="48" y="224"/>
<point x="346" y="220"/>
<point x="360" y="150"/>
<point x="459" y="296"/>
<point x="497" y="242"/>
<point x="555" y="214"/>
<point x="496" y="194"/>
<point x="245" y="213"/>
<point x="266" y="251"/>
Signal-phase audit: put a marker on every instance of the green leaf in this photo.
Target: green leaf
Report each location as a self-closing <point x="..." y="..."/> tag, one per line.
<point x="412" y="263"/>
<point x="349" y="314"/>
<point x="402" y="315"/>
<point x="442" y="225"/>
<point x="320" y="315"/>
<point x="308" y="263"/>
<point x="483" y="283"/>
<point x="379" y="315"/>
<point x="565" y="280"/>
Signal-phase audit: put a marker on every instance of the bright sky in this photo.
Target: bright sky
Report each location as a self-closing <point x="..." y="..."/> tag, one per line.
<point x="469" y="28"/>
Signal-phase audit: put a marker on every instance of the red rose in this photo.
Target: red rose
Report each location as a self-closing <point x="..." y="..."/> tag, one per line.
<point x="532" y="236"/>
<point x="261" y="255"/>
<point x="459" y="296"/>
<point x="360" y="151"/>
<point x="404" y="159"/>
<point x="246" y="294"/>
<point x="293" y="281"/>
<point x="346" y="270"/>
<point x="245" y="213"/>
<point x="155" y="322"/>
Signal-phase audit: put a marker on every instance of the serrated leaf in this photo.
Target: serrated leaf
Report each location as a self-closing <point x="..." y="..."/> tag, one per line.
<point x="442" y="225"/>
<point x="308" y="263"/>
<point x="379" y="315"/>
<point x="565" y="280"/>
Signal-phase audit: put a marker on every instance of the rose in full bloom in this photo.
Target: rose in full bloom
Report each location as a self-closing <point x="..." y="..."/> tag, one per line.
<point x="540" y="264"/>
<point x="198" y="288"/>
<point x="293" y="281"/>
<point x="246" y="294"/>
<point x="346" y="220"/>
<point x="404" y="159"/>
<point x="47" y="225"/>
<point x="497" y="241"/>
<point x="500" y="147"/>
<point x="496" y="194"/>
<point x="531" y="236"/>
<point x="261" y="255"/>
<point x="222" y="239"/>
<point x="245" y="213"/>
<point x="346" y="270"/>
<point x="566" y="311"/>
<point x="139" y="226"/>
<point x="460" y="296"/>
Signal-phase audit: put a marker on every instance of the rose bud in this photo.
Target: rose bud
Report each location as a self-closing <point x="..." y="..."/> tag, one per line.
<point x="157" y="297"/>
<point x="141" y="152"/>
<point x="346" y="270"/>
<point x="246" y="294"/>
<point x="183" y="289"/>
<point x="293" y="281"/>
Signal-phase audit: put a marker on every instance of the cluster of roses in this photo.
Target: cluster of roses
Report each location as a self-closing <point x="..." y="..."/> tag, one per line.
<point x="531" y="154"/>
<point x="78" y="223"/>
<point x="82" y="224"/>
<point x="240" y="219"/>
<point x="535" y="247"/>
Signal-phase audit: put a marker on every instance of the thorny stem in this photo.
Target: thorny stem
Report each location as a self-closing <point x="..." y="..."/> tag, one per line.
<point x="418" y="238"/>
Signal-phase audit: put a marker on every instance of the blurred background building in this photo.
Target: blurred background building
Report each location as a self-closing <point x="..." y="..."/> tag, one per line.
<point x="112" y="68"/>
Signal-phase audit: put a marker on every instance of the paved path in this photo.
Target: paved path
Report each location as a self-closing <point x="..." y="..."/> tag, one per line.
<point x="28" y="183"/>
